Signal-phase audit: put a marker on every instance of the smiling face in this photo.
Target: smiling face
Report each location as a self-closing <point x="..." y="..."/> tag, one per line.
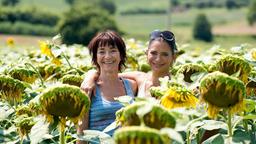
<point x="108" y="58"/>
<point x="159" y="56"/>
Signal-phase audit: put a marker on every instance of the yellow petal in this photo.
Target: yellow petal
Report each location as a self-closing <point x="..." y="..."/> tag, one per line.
<point x="56" y="61"/>
<point x="45" y="49"/>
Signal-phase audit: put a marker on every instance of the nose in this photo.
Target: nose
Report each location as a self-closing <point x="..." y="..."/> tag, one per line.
<point x="158" y="58"/>
<point x="108" y="54"/>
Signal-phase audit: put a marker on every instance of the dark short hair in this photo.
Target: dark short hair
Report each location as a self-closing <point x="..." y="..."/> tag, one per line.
<point x="107" y="38"/>
<point x="167" y="36"/>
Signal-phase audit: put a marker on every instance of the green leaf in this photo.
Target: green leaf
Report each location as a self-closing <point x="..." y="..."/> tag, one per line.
<point x="240" y="136"/>
<point x="250" y="105"/>
<point x="250" y="116"/>
<point x="57" y="37"/>
<point x="172" y="134"/>
<point x="216" y="139"/>
<point x="110" y="127"/>
<point x="144" y="110"/>
<point x="95" y="136"/>
<point x="236" y="74"/>
<point x="212" y="124"/>
<point x="125" y="100"/>
<point x="39" y="131"/>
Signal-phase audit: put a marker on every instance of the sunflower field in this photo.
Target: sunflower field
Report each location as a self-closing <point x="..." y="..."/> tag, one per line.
<point x="210" y="98"/>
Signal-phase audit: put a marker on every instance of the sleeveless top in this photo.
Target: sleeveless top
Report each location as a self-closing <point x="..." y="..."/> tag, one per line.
<point x="102" y="112"/>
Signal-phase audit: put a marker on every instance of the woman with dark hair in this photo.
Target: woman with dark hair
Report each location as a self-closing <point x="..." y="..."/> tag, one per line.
<point x="108" y="52"/>
<point x="161" y="54"/>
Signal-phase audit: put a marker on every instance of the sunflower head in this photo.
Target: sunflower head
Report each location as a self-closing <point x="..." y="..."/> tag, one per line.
<point x="221" y="91"/>
<point x="251" y="85"/>
<point x="11" y="89"/>
<point x="231" y="64"/>
<point x="64" y="101"/>
<point x="23" y="74"/>
<point x="188" y="69"/>
<point x="24" y="125"/>
<point x="157" y="118"/>
<point x="24" y="110"/>
<point x="10" y="42"/>
<point x="178" y="96"/>
<point x="139" y="135"/>
<point x="52" y="69"/>
<point x="72" y="79"/>
<point x="156" y="92"/>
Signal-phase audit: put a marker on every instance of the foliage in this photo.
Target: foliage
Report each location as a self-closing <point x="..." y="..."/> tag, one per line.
<point x="28" y="15"/>
<point x="24" y="123"/>
<point x="81" y="28"/>
<point x="107" y="5"/>
<point x="251" y="16"/>
<point x="26" y="29"/>
<point x="70" y="2"/>
<point x="202" y="28"/>
<point x="10" y="2"/>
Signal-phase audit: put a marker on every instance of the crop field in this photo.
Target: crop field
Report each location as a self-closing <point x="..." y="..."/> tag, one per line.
<point x="210" y="98"/>
<point x="219" y="97"/>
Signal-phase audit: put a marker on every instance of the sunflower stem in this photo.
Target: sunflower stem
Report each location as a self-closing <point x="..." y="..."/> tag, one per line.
<point x="21" y="140"/>
<point x="229" y="124"/>
<point x="188" y="127"/>
<point x="62" y="137"/>
<point x="65" y="57"/>
<point x="38" y="73"/>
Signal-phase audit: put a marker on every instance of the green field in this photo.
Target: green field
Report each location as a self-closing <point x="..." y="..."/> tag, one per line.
<point x="139" y="26"/>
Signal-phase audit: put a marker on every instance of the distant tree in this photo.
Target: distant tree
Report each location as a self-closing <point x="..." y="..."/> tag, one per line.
<point x="70" y="2"/>
<point x="202" y="29"/>
<point x="107" y="5"/>
<point x="81" y="23"/>
<point x="175" y="3"/>
<point x="10" y="2"/>
<point x="231" y="4"/>
<point x="251" y="16"/>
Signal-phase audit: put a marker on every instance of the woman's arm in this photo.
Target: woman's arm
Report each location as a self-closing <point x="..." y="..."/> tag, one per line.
<point x="83" y="126"/>
<point x="88" y="83"/>
<point x="137" y="76"/>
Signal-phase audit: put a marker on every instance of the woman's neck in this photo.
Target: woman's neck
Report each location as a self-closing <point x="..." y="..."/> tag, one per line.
<point x="108" y="76"/>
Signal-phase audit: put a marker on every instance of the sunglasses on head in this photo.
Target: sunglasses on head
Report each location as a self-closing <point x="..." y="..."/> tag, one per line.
<point x="166" y="35"/>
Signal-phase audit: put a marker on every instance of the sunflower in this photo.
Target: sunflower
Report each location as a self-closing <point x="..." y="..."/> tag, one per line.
<point x="45" y="48"/>
<point x="24" y="125"/>
<point x="72" y="79"/>
<point x="177" y="96"/>
<point x="24" y="110"/>
<point x="231" y="64"/>
<point x="253" y="54"/>
<point x="221" y="91"/>
<point x="11" y="89"/>
<point x="139" y="135"/>
<point x="157" y="118"/>
<point x="64" y="101"/>
<point x="188" y="69"/>
<point x="10" y="41"/>
<point x="23" y="74"/>
<point x="52" y="69"/>
<point x="251" y="85"/>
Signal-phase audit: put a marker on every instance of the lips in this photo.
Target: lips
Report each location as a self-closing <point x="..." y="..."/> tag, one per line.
<point x="157" y="65"/>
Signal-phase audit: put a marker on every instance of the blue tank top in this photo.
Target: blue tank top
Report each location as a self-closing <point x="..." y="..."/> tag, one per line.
<point x="102" y="112"/>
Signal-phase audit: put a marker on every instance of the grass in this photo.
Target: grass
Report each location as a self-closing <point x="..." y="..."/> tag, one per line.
<point x="57" y="6"/>
<point x="139" y="26"/>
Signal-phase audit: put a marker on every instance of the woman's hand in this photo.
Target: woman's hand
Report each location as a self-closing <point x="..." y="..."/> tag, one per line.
<point x="88" y="83"/>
